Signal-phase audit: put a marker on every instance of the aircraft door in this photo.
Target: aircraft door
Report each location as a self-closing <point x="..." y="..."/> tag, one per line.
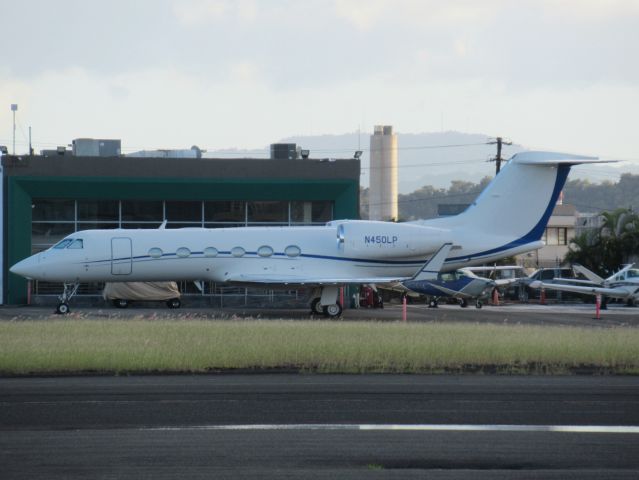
<point x="121" y="261"/>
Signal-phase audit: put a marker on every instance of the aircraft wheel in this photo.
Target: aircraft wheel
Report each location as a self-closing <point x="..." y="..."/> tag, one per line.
<point x="62" y="309"/>
<point x="478" y="304"/>
<point x="333" y="311"/>
<point x="463" y="303"/>
<point x="174" y="303"/>
<point x="432" y="303"/>
<point x="121" y="303"/>
<point x="316" y="306"/>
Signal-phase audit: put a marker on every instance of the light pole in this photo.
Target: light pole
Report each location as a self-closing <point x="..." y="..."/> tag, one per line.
<point x="14" y="108"/>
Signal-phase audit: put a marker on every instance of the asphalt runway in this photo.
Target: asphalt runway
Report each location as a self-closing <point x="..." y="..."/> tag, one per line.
<point x="316" y="426"/>
<point x="530" y="314"/>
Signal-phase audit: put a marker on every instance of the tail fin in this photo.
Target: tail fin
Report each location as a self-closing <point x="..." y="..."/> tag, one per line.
<point x="516" y="205"/>
<point x="434" y="265"/>
<point x="521" y="198"/>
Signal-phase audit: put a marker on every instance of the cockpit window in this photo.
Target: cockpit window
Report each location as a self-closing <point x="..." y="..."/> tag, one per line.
<point x="64" y="243"/>
<point x="77" y="244"/>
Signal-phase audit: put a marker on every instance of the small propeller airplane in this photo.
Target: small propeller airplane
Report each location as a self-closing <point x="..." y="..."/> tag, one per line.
<point x="461" y="284"/>
<point x="508" y="218"/>
<point x="622" y="285"/>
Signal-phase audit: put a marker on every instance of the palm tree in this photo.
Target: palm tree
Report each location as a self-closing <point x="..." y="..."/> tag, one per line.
<point x="614" y="243"/>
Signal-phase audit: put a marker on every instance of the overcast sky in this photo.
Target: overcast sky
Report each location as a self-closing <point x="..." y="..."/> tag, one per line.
<point x="549" y="74"/>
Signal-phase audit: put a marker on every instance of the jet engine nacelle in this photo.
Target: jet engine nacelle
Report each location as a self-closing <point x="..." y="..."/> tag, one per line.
<point x="386" y="240"/>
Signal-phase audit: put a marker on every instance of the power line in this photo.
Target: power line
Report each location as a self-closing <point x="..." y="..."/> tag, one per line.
<point x="432" y="164"/>
<point x="433" y="197"/>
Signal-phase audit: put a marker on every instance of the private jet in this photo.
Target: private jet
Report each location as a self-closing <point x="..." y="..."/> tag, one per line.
<point x="508" y="218"/>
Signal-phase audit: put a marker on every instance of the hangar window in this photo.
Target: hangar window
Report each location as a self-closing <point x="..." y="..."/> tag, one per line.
<point x="98" y="211"/>
<point x="265" y="251"/>
<point x="238" y="251"/>
<point x="155" y="252"/>
<point x="183" y="214"/>
<point x="268" y="212"/>
<point x="210" y="252"/>
<point x="76" y="244"/>
<point x="183" y="252"/>
<point x="311" y="212"/>
<point x="143" y="211"/>
<point x="226" y="212"/>
<point x="292" y="251"/>
<point x="52" y="209"/>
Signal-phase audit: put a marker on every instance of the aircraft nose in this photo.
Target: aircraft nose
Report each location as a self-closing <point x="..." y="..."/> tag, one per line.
<point x="27" y="268"/>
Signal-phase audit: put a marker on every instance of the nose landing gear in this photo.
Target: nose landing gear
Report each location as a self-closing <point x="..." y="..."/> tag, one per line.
<point x="69" y="291"/>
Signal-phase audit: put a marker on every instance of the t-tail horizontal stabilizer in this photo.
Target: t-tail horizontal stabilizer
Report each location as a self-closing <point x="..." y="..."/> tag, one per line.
<point x="434" y="265"/>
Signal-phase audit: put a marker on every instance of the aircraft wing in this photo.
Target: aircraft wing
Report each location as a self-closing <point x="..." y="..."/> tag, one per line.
<point x="306" y="281"/>
<point x="574" y="281"/>
<point x="503" y="282"/>
<point x="609" y="292"/>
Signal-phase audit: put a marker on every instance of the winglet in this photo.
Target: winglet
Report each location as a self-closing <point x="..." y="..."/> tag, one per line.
<point x="434" y="265"/>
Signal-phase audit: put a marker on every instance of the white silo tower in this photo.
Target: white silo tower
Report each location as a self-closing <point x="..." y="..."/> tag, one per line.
<point x="383" y="187"/>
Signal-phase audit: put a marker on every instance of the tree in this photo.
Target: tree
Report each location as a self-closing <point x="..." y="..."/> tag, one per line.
<point x="603" y="250"/>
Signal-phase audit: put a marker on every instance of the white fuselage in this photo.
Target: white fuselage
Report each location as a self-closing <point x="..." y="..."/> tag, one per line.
<point x="254" y="254"/>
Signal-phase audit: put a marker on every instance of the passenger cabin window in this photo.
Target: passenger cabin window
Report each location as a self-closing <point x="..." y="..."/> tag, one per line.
<point x="183" y="252"/>
<point x="64" y="243"/>
<point x="77" y="244"/>
<point x="155" y="252"/>
<point x="265" y="251"/>
<point x="292" y="251"/>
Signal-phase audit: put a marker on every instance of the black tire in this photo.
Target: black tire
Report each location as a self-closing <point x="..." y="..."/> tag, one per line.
<point x="432" y="303"/>
<point x="463" y="303"/>
<point x="478" y="304"/>
<point x="174" y="303"/>
<point x="121" y="303"/>
<point x="316" y="307"/>
<point x="332" y="311"/>
<point x="62" y="309"/>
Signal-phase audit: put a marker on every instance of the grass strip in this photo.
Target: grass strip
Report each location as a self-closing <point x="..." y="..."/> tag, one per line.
<point x="144" y="346"/>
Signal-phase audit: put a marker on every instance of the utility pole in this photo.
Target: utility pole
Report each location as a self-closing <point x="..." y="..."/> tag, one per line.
<point x="499" y="141"/>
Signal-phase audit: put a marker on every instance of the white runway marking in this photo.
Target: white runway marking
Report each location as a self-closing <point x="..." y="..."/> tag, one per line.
<point x="414" y="428"/>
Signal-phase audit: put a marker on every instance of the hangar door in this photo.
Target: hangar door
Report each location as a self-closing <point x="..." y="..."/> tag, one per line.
<point x="121" y="261"/>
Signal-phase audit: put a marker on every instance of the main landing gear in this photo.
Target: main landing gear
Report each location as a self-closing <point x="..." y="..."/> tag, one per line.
<point x="69" y="291"/>
<point x="327" y="303"/>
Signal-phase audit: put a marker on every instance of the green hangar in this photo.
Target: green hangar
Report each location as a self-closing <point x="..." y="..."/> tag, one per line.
<point x="46" y="197"/>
